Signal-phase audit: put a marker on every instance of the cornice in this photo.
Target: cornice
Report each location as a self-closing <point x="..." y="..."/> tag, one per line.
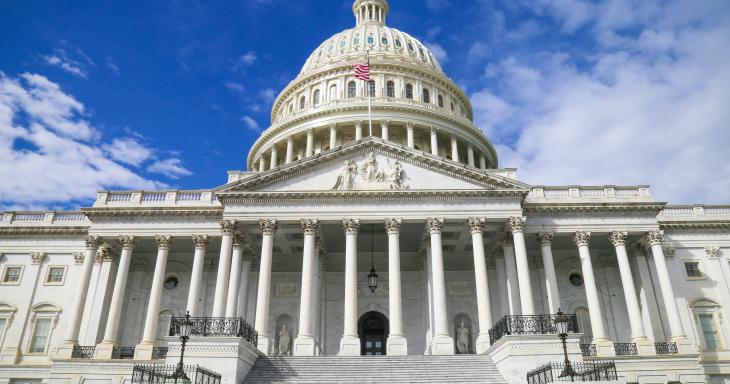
<point x="153" y="214"/>
<point x="245" y="197"/>
<point x="695" y="226"/>
<point x="594" y="209"/>
<point x="44" y="232"/>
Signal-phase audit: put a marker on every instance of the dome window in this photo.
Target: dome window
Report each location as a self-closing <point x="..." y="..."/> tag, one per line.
<point x="330" y="48"/>
<point x="390" y="89"/>
<point x="319" y="54"/>
<point x="302" y="102"/>
<point x="315" y="97"/>
<point x="384" y="40"/>
<point x="441" y="101"/>
<point x="351" y="88"/>
<point x="343" y="44"/>
<point x="409" y="91"/>
<point x="333" y="92"/>
<point x="420" y="51"/>
<point x="410" y="47"/>
<point x="398" y="44"/>
<point x="371" y="88"/>
<point x="452" y="107"/>
<point x="371" y="40"/>
<point x="426" y="96"/>
<point x="356" y="41"/>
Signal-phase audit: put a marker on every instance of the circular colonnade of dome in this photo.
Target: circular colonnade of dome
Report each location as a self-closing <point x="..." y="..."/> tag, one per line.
<point x="413" y="102"/>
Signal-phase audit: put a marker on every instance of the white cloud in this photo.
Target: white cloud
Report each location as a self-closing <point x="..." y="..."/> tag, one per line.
<point x="438" y="52"/>
<point x="128" y="151"/>
<point x="234" y="86"/>
<point x="49" y="152"/>
<point x="171" y="168"/>
<point x="649" y="109"/>
<point x="112" y="65"/>
<point x="251" y="124"/>
<point x="75" y="61"/>
<point x="247" y="59"/>
<point x="437" y="5"/>
<point x="268" y="94"/>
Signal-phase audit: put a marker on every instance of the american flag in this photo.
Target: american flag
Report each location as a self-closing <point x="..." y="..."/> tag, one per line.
<point x="362" y="71"/>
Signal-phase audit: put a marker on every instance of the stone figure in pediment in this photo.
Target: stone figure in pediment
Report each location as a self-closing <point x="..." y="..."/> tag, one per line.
<point x="346" y="179"/>
<point x="395" y="176"/>
<point x="371" y="172"/>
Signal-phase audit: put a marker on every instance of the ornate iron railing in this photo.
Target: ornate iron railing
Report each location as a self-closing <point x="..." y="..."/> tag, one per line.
<point x="625" y="349"/>
<point x="83" y="352"/>
<point x="159" y="353"/>
<point x="666" y="348"/>
<point x="162" y="374"/>
<point x="217" y="326"/>
<point x="529" y="325"/>
<point x="123" y="353"/>
<point x="584" y="371"/>
<point x="588" y="349"/>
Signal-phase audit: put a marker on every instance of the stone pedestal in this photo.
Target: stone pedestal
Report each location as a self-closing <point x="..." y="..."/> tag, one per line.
<point x="65" y="350"/>
<point x="482" y="344"/>
<point x="685" y="346"/>
<point x="232" y="357"/>
<point x="397" y="346"/>
<point x="644" y="346"/>
<point x="304" y="346"/>
<point x="442" y="345"/>
<point x="143" y="351"/>
<point x="604" y="347"/>
<point x="104" y="351"/>
<point x="264" y="344"/>
<point x="515" y="355"/>
<point x="349" y="346"/>
<point x="10" y="355"/>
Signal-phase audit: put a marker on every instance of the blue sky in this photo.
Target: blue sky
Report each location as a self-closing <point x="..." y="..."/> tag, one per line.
<point x="171" y="94"/>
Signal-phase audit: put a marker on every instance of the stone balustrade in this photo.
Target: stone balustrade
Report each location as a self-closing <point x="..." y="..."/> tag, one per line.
<point x="43" y="218"/>
<point x="696" y="212"/>
<point x="590" y="193"/>
<point x="155" y="199"/>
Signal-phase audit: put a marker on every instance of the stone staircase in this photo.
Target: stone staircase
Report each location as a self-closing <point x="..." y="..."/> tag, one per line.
<point x="460" y="369"/>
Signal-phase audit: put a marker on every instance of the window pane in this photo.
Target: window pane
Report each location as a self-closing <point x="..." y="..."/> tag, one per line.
<point x="2" y="324"/>
<point x="351" y="89"/>
<point x="707" y="323"/>
<point x="55" y="275"/>
<point x="40" y="335"/>
<point x="371" y="88"/>
<point x="12" y="274"/>
<point x="391" y="89"/>
<point x="693" y="269"/>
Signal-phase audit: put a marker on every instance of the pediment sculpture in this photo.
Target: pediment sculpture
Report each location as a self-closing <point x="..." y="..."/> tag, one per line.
<point x="368" y="175"/>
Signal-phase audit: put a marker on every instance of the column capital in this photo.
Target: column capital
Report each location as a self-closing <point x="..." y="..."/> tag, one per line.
<point x="655" y="237"/>
<point x="582" y="238"/>
<point x="92" y="242"/>
<point x="37" y="257"/>
<point x="434" y="225"/>
<point x="332" y="125"/>
<point x="358" y="124"/>
<point x="128" y="242"/>
<point x="310" y="226"/>
<point x="506" y="239"/>
<point x="352" y="226"/>
<point x="268" y="227"/>
<point x="228" y="227"/>
<point x="201" y="241"/>
<point x="516" y="224"/>
<point x="476" y="224"/>
<point x="163" y="241"/>
<point x="104" y="254"/>
<point x="237" y="241"/>
<point x="545" y="238"/>
<point x="392" y="226"/>
<point x="618" y="238"/>
<point x="384" y="123"/>
<point x="410" y="124"/>
<point x="290" y="139"/>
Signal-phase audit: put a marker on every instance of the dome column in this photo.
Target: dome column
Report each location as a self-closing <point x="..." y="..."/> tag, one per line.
<point x="333" y="135"/>
<point x="454" y="149"/>
<point x="470" y="154"/>
<point x="434" y="142"/>
<point x="310" y="143"/>
<point x="482" y="162"/>
<point x="384" y="129"/>
<point x="289" y="150"/>
<point x="358" y="130"/>
<point x="274" y="158"/>
<point x="409" y="134"/>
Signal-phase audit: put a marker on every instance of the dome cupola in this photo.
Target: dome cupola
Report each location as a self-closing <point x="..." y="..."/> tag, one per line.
<point x="370" y="11"/>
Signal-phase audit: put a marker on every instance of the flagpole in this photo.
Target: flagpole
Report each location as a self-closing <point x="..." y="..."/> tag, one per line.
<point x="367" y="89"/>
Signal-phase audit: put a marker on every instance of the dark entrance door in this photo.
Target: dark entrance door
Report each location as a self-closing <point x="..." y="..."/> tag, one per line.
<point x="373" y="329"/>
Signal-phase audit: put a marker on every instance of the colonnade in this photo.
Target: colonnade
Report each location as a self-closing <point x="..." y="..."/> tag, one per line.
<point x="235" y="264"/>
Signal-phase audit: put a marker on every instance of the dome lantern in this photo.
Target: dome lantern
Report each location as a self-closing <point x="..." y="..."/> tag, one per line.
<point x="370" y="11"/>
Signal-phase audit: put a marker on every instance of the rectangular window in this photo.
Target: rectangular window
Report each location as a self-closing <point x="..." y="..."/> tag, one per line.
<point x="55" y="275"/>
<point x="2" y="326"/>
<point x="709" y="332"/>
<point x="693" y="269"/>
<point x="12" y="274"/>
<point x="40" y="336"/>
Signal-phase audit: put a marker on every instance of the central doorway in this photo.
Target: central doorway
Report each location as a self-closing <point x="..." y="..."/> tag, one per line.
<point x="373" y="330"/>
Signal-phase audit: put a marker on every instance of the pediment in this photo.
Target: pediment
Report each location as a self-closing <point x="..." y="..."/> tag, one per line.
<point x="373" y="165"/>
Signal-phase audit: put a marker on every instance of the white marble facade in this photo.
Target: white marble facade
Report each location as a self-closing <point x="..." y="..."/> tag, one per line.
<point x="316" y="209"/>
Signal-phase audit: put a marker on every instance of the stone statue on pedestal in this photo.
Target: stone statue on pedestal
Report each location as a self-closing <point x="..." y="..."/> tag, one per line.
<point x="463" y="339"/>
<point x="284" y="340"/>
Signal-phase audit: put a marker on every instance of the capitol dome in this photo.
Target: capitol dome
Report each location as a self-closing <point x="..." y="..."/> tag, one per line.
<point x="412" y="101"/>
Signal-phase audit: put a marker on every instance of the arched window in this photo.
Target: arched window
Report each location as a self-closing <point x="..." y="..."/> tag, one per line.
<point x="371" y="88"/>
<point x="44" y="318"/>
<point x="426" y="96"/>
<point x="441" y="101"/>
<point x="315" y="98"/>
<point x="452" y="107"/>
<point x="390" y="89"/>
<point x="409" y="91"/>
<point x="333" y="92"/>
<point x="291" y="107"/>
<point x="708" y="325"/>
<point x="302" y="102"/>
<point x="351" y="89"/>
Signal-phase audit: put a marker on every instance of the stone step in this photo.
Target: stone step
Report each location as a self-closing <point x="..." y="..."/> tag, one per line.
<point x="374" y="369"/>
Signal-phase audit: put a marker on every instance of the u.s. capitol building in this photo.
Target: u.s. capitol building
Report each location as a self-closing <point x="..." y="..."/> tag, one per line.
<point x="397" y="237"/>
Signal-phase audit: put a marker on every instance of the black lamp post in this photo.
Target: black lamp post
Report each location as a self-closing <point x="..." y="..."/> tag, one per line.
<point x="372" y="277"/>
<point x="562" y="322"/>
<point x="186" y="327"/>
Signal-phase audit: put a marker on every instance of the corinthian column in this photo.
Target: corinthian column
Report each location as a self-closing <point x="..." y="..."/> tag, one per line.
<point x="442" y="343"/>
<point x="350" y="342"/>
<point x="228" y="228"/>
<point x="234" y="283"/>
<point x="268" y="229"/>
<point x="484" y="307"/>
<point x="510" y="271"/>
<point x="358" y="130"/>
<point x="304" y="343"/>
<point x="409" y="135"/>
<point x="106" y="347"/>
<point x="551" y="282"/>
<point x="397" y="344"/>
<point x="289" y="150"/>
<point x="196" y="278"/>
<point x="603" y="344"/>
<point x="309" y="150"/>
<point x="143" y="351"/>
<point x="82" y="289"/>
<point x="517" y="227"/>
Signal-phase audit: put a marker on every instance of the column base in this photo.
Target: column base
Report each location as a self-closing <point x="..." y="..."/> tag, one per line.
<point x="644" y="346"/>
<point x="264" y="345"/>
<point x="396" y="345"/>
<point x="10" y="355"/>
<point x="604" y="347"/>
<point x="442" y="345"/>
<point x="304" y="346"/>
<point x="349" y="346"/>
<point x="143" y="350"/>
<point x="685" y="346"/>
<point x="65" y="350"/>
<point x="104" y="350"/>
<point x="482" y="344"/>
